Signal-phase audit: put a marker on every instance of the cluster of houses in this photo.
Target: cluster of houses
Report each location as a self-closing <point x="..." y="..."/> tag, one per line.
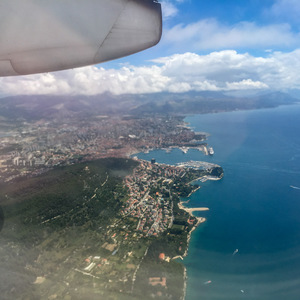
<point x="148" y="187"/>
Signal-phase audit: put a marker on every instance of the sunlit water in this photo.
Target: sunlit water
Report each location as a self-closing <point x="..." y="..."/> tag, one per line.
<point x="253" y="208"/>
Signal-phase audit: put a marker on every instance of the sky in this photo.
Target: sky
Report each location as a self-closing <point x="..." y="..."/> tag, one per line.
<point x="207" y="45"/>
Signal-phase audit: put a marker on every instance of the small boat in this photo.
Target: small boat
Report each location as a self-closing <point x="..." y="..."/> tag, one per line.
<point x="207" y="282"/>
<point x="295" y="187"/>
<point x="235" y="252"/>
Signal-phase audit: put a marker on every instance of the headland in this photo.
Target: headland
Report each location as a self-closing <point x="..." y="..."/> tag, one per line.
<point x="84" y="219"/>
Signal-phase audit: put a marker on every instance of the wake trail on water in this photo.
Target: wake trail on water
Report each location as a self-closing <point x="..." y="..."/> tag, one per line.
<point x="295" y="187"/>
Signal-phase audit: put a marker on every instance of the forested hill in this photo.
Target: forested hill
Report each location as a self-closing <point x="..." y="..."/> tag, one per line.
<point x="52" y="220"/>
<point x="66" y="192"/>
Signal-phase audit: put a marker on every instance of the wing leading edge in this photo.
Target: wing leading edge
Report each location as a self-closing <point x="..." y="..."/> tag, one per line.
<point x="43" y="36"/>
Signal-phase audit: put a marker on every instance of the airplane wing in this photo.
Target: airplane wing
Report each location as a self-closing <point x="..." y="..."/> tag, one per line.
<point x="49" y="35"/>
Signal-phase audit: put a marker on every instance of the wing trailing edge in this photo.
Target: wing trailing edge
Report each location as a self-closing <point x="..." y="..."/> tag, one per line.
<point x="43" y="36"/>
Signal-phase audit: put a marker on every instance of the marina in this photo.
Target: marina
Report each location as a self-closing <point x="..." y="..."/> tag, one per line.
<point x="197" y="164"/>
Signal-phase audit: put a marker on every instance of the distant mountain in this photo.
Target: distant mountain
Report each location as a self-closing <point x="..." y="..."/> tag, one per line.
<point x="65" y="107"/>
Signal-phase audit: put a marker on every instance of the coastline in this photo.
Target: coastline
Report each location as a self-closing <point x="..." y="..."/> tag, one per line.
<point x="193" y="191"/>
<point x="203" y="179"/>
<point x="200" y="220"/>
<point x="190" y="210"/>
<point x="191" y="220"/>
<point x="196" y="220"/>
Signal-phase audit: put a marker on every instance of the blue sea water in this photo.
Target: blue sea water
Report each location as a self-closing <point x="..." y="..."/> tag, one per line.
<point x="253" y="208"/>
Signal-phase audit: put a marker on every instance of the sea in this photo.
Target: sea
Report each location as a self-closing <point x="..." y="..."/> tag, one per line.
<point x="249" y="247"/>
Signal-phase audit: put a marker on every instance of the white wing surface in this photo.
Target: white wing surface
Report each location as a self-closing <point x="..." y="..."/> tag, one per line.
<point x="49" y="35"/>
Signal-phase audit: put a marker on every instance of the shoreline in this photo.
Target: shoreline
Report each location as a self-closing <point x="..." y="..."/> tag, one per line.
<point x="190" y="210"/>
<point x="199" y="220"/>
<point x="193" y="191"/>
<point x="203" y="179"/>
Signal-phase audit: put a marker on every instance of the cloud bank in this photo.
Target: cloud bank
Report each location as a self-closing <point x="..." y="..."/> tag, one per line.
<point x="288" y="10"/>
<point x="221" y="70"/>
<point x="208" y="34"/>
<point x="217" y="71"/>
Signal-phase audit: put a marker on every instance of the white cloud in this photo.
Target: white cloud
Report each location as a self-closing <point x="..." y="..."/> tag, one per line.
<point x="168" y="9"/>
<point x="209" y="34"/>
<point x="217" y="71"/>
<point x="246" y="84"/>
<point x="286" y="9"/>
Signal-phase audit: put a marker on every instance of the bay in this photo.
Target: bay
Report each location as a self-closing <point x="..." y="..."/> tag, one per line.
<point x="255" y="208"/>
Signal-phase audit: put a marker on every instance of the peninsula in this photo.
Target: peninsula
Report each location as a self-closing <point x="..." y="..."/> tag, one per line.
<point x="111" y="228"/>
<point x="83" y="219"/>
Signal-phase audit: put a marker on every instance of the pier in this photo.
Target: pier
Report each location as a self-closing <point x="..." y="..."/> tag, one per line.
<point x="190" y="210"/>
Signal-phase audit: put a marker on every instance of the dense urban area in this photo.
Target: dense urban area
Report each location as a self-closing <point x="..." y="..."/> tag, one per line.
<point x="84" y="218"/>
<point x="33" y="147"/>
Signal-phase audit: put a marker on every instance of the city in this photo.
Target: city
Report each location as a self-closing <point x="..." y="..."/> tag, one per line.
<point x="31" y="147"/>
